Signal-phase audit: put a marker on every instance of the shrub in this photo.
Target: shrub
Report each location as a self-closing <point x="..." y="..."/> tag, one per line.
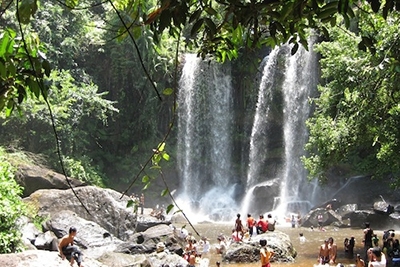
<point x="11" y="208"/>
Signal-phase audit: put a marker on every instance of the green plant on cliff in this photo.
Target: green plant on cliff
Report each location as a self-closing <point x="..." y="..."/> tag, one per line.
<point x="11" y="208"/>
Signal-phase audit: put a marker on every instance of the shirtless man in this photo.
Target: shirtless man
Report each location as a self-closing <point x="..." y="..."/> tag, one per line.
<point x="67" y="249"/>
<point x="323" y="256"/>
<point x="332" y="251"/>
<point x="239" y="227"/>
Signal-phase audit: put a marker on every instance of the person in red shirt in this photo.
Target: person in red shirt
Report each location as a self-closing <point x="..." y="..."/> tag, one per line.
<point x="262" y="225"/>
<point x="251" y="222"/>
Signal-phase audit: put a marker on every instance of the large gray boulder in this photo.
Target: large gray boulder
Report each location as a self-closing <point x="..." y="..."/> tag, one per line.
<point x="249" y="251"/>
<point x="33" y="178"/>
<point x="377" y="220"/>
<point x="146" y="242"/>
<point x="105" y="207"/>
<point x="329" y="217"/>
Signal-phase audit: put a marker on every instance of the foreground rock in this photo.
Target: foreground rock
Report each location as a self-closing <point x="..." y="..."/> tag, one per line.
<point x="249" y="251"/>
<point x="40" y="258"/>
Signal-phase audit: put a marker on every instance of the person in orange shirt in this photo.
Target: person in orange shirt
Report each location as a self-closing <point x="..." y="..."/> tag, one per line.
<point x="265" y="254"/>
<point x="251" y="222"/>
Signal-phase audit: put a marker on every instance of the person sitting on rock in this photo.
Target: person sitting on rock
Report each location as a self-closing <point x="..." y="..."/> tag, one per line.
<point x="68" y="250"/>
<point x="262" y="225"/>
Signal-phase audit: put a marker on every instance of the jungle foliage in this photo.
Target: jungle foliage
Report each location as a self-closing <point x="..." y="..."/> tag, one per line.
<point x="127" y="48"/>
<point x="357" y="114"/>
<point x="11" y="208"/>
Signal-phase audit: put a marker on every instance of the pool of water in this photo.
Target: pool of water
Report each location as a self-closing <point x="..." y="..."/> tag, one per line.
<point x="307" y="253"/>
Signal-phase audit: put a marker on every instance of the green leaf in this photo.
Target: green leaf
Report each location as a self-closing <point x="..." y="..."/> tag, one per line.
<point x="195" y="16"/>
<point x="211" y="26"/>
<point x="4" y="38"/>
<point x="145" y="179"/>
<point x="165" y="156"/>
<point x="130" y="203"/>
<point x="71" y="3"/>
<point x="161" y="147"/>
<point x="294" y="49"/>
<point x="211" y="11"/>
<point x="46" y="67"/>
<point x="2" y="71"/>
<point x="169" y="208"/>
<point x="375" y="4"/>
<point x="146" y="186"/>
<point x="164" y="192"/>
<point x="168" y="91"/>
<point x="196" y="27"/>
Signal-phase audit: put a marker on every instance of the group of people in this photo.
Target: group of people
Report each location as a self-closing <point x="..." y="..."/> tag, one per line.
<point x="377" y="255"/>
<point x="252" y="226"/>
<point x="194" y="250"/>
<point x="139" y="200"/>
<point x="327" y="252"/>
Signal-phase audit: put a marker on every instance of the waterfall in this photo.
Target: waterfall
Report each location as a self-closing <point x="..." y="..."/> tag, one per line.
<point x="205" y="119"/>
<point x="301" y="77"/>
<point x="281" y="186"/>
<point x="258" y="140"/>
<point x="275" y="177"/>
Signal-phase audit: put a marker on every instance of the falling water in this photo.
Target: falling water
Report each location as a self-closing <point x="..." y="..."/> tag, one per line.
<point x="259" y="131"/>
<point x="204" y="136"/>
<point x="258" y="140"/>
<point x="299" y="84"/>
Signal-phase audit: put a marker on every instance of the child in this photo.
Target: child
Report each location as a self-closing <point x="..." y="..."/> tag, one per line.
<point x="265" y="254"/>
<point x="302" y="238"/>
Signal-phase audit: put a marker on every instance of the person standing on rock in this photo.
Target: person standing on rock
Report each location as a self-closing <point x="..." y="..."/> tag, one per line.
<point x="68" y="250"/>
<point x="251" y="222"/>
<point x="265" y="254"/>
<point x="239" y="227"/>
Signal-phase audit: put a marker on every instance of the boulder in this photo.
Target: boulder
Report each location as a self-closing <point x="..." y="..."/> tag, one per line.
<point x="91" y="237"/>
<point x="146" y="242"/>
<point x="33" y="178"/>
<point x="146" y="221"/>
<point x="329" y="217"/>
<point x="105" y="207"/>
<point x="265" y="194"/>
<point x="46" y="241"/>
<point x="346" y="209"/>
<point x="377" y="220"/>
<point x="249" y="251"/>
<point x="383" y="207"/>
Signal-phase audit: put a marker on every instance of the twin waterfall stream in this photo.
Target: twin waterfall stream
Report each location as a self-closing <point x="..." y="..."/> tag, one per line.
<point x="212" y="187"/>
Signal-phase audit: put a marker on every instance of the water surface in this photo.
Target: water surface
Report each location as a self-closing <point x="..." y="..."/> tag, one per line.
<point x="307" y="253"/>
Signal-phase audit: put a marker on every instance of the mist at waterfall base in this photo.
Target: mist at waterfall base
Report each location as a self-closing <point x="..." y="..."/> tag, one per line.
<point x="210" y="190"/>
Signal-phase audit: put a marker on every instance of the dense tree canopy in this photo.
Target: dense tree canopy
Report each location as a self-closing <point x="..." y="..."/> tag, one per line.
<point x="218" y="27"/>
<point x="40" y="39"/>
<point x="357" y="117"/>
